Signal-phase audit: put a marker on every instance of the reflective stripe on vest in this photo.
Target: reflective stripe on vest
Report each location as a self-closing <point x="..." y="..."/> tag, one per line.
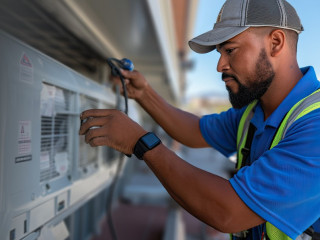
<point x="300" y="109"/>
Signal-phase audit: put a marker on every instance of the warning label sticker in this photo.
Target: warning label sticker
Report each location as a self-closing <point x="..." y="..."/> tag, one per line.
<point x="26" y="69"/>
<point x="24" y="141"/>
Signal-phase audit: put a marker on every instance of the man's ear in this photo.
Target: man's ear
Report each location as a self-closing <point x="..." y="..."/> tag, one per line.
<point x="277" y="40"/>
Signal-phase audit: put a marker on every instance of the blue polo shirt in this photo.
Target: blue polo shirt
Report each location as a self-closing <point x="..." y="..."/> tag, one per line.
<point x="282" y="185"/>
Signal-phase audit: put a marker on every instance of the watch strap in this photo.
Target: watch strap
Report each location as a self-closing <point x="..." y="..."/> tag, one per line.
<point x="145" y="143"/>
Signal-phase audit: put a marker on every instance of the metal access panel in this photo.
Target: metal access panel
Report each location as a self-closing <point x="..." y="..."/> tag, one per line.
<point x="46" y="169"/>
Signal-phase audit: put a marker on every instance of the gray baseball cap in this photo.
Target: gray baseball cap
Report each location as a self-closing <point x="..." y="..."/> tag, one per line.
<point x="237" y="16"/>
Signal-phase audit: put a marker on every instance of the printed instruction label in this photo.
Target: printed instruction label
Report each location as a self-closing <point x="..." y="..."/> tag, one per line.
<point x="24" y="138"/>
<point x="47" y="107"/>
<point x="61" y="160"/>
<point x="23" y="158"/>
<point x="26" y="69"/>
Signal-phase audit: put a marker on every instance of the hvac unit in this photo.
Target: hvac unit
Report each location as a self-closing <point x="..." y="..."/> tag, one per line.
<point x="46" y="169"/>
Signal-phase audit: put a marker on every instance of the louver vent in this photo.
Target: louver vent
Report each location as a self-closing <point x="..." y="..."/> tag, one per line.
<point x="55" y="120"/>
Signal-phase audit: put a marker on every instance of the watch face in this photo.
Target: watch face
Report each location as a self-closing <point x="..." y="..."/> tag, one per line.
<point x="150" y="140"/>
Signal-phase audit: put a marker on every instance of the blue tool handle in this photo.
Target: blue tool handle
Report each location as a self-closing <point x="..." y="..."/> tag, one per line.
<point x="127" y="64"/>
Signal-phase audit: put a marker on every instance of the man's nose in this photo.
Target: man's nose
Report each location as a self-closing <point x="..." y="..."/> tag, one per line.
<point x="223" y="64"/>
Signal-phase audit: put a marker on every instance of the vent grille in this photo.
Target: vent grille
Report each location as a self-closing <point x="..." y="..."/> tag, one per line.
<point x="55" y="129"/>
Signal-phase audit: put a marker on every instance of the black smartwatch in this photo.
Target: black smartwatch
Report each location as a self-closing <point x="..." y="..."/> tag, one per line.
<point x="145" y="143"/>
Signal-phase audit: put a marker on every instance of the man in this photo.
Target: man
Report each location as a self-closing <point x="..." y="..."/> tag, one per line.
<point x="276" y="193"/>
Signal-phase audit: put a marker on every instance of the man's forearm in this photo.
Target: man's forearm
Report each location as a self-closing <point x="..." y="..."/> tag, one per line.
<point x="208" y="197"/>
<point x="180" y="125"/>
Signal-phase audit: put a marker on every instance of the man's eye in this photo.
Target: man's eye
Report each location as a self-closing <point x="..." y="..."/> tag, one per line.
<point x="229" y="50"/>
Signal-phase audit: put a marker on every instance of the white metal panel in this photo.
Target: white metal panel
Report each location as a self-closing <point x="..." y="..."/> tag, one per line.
<point x="41" y="214"/>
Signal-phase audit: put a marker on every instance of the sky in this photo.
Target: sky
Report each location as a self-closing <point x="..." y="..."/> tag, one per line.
<point x="204" y="80"/>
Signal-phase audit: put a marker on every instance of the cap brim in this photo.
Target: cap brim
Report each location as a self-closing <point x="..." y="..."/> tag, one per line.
<point x="207" y="42"/>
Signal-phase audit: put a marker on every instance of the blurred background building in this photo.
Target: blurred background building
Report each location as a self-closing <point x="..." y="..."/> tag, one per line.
<point x="82" y="34"/>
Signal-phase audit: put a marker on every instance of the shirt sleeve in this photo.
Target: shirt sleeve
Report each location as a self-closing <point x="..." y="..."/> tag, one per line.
<point x="220" y="130"/>
<point x="283" y="185"/>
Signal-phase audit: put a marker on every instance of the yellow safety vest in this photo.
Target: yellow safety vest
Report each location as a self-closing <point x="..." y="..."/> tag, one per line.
<point x="300" y="109"/>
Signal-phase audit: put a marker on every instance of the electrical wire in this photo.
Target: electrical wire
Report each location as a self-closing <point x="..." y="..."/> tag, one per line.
<point x="118" y="170"/>
<point x="110" y="196"/>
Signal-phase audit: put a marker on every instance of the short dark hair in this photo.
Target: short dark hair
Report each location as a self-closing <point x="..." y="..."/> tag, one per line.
<point x="291" y="35"/>
<point x="293" y="38"/>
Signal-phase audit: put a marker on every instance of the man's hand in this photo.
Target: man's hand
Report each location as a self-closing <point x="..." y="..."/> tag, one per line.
<point x="134" y="82"/>
<point x="180" y="125"/>
<point x="113" y="129"/>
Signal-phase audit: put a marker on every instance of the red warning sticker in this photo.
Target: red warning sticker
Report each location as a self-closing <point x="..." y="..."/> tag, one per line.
<point x="26" y="69"/>
<point x="25" y="61"/>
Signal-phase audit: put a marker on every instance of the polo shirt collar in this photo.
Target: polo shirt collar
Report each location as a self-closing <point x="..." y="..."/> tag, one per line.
<point x="306" y="85"/>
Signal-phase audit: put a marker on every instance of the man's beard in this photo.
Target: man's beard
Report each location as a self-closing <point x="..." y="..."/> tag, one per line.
<point x="258" y="84"/>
